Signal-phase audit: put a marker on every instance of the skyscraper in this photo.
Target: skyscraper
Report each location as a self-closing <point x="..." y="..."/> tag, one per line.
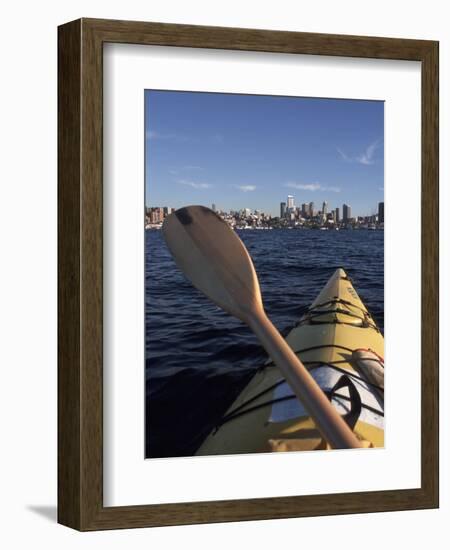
<point x="324" y="211"/>
<point x="346" y="212"/>
<point x="304" y="210"/>
<point x="213" y="207"/>
<point x="311" y="209"/>
<point x="156" y="214"/>
<point x="290" y="202"/>
<point x="337" y="216"/>
<point x="282" y="209"/>
<point x="381" y="212"/>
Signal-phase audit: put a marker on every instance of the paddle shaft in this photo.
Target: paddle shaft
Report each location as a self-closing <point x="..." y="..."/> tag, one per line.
<point x="216" y="261"/>
<point x="329" y="422"/>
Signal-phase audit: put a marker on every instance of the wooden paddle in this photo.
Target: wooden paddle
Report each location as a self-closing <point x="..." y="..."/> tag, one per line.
<point x="216" y="261"/>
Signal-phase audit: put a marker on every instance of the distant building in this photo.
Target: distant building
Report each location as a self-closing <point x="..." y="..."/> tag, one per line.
<point x="304" y="210"/>
<point x="324" y="211"/>
<point x="346" y="212"/>
<point x="213" y="207"/>
<point x="311" y="209"/>
<point x="337" y="216"/>
<point x="282" y="209"/>
<point x="156" y="215"/>
<point x="381" y="212"/>
<point x="290" y="203"/>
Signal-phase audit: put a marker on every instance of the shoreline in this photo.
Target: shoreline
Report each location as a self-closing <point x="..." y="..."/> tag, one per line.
<point x="296" y="228"/>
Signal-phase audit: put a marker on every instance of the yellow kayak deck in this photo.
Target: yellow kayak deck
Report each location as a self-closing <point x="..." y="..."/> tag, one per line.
<point x="267" y="416"/>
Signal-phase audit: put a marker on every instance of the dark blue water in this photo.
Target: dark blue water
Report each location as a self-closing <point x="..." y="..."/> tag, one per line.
<point x="198" y="358"/>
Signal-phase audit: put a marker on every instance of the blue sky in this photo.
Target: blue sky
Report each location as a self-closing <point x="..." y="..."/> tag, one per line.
<point x="246" y="151"/>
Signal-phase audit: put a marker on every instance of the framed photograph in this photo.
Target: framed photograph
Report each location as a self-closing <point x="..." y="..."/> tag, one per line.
<point x="248" y="235"/>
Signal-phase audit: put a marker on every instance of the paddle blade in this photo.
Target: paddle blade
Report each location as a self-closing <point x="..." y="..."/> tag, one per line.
<point x="214" y="259"/>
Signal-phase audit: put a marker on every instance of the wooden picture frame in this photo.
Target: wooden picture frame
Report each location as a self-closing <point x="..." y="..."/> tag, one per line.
<point x="80" y="272"/>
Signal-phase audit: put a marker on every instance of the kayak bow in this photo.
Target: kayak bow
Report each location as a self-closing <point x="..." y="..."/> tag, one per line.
<point x="340" y="344"/>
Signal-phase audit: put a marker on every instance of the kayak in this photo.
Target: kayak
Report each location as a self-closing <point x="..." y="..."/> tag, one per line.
<point x="340" y="344"/>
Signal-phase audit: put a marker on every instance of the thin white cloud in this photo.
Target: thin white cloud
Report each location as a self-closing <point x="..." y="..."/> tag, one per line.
<point x="366" y="157"/>
<point x="304" y="186"/>
<point x="312" y="187"/>
<point x="245" y="188"/>
<point x="195" y="184"/>
<point x="343" y="155"/>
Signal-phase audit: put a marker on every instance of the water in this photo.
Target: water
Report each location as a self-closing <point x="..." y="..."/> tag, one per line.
<point x="198" y="358"/>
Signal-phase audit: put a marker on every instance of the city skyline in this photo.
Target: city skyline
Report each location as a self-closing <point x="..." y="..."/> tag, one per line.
<point x="290" y="214"/>
<point x="284" y="207"/>
<point x="239" y="151"/>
